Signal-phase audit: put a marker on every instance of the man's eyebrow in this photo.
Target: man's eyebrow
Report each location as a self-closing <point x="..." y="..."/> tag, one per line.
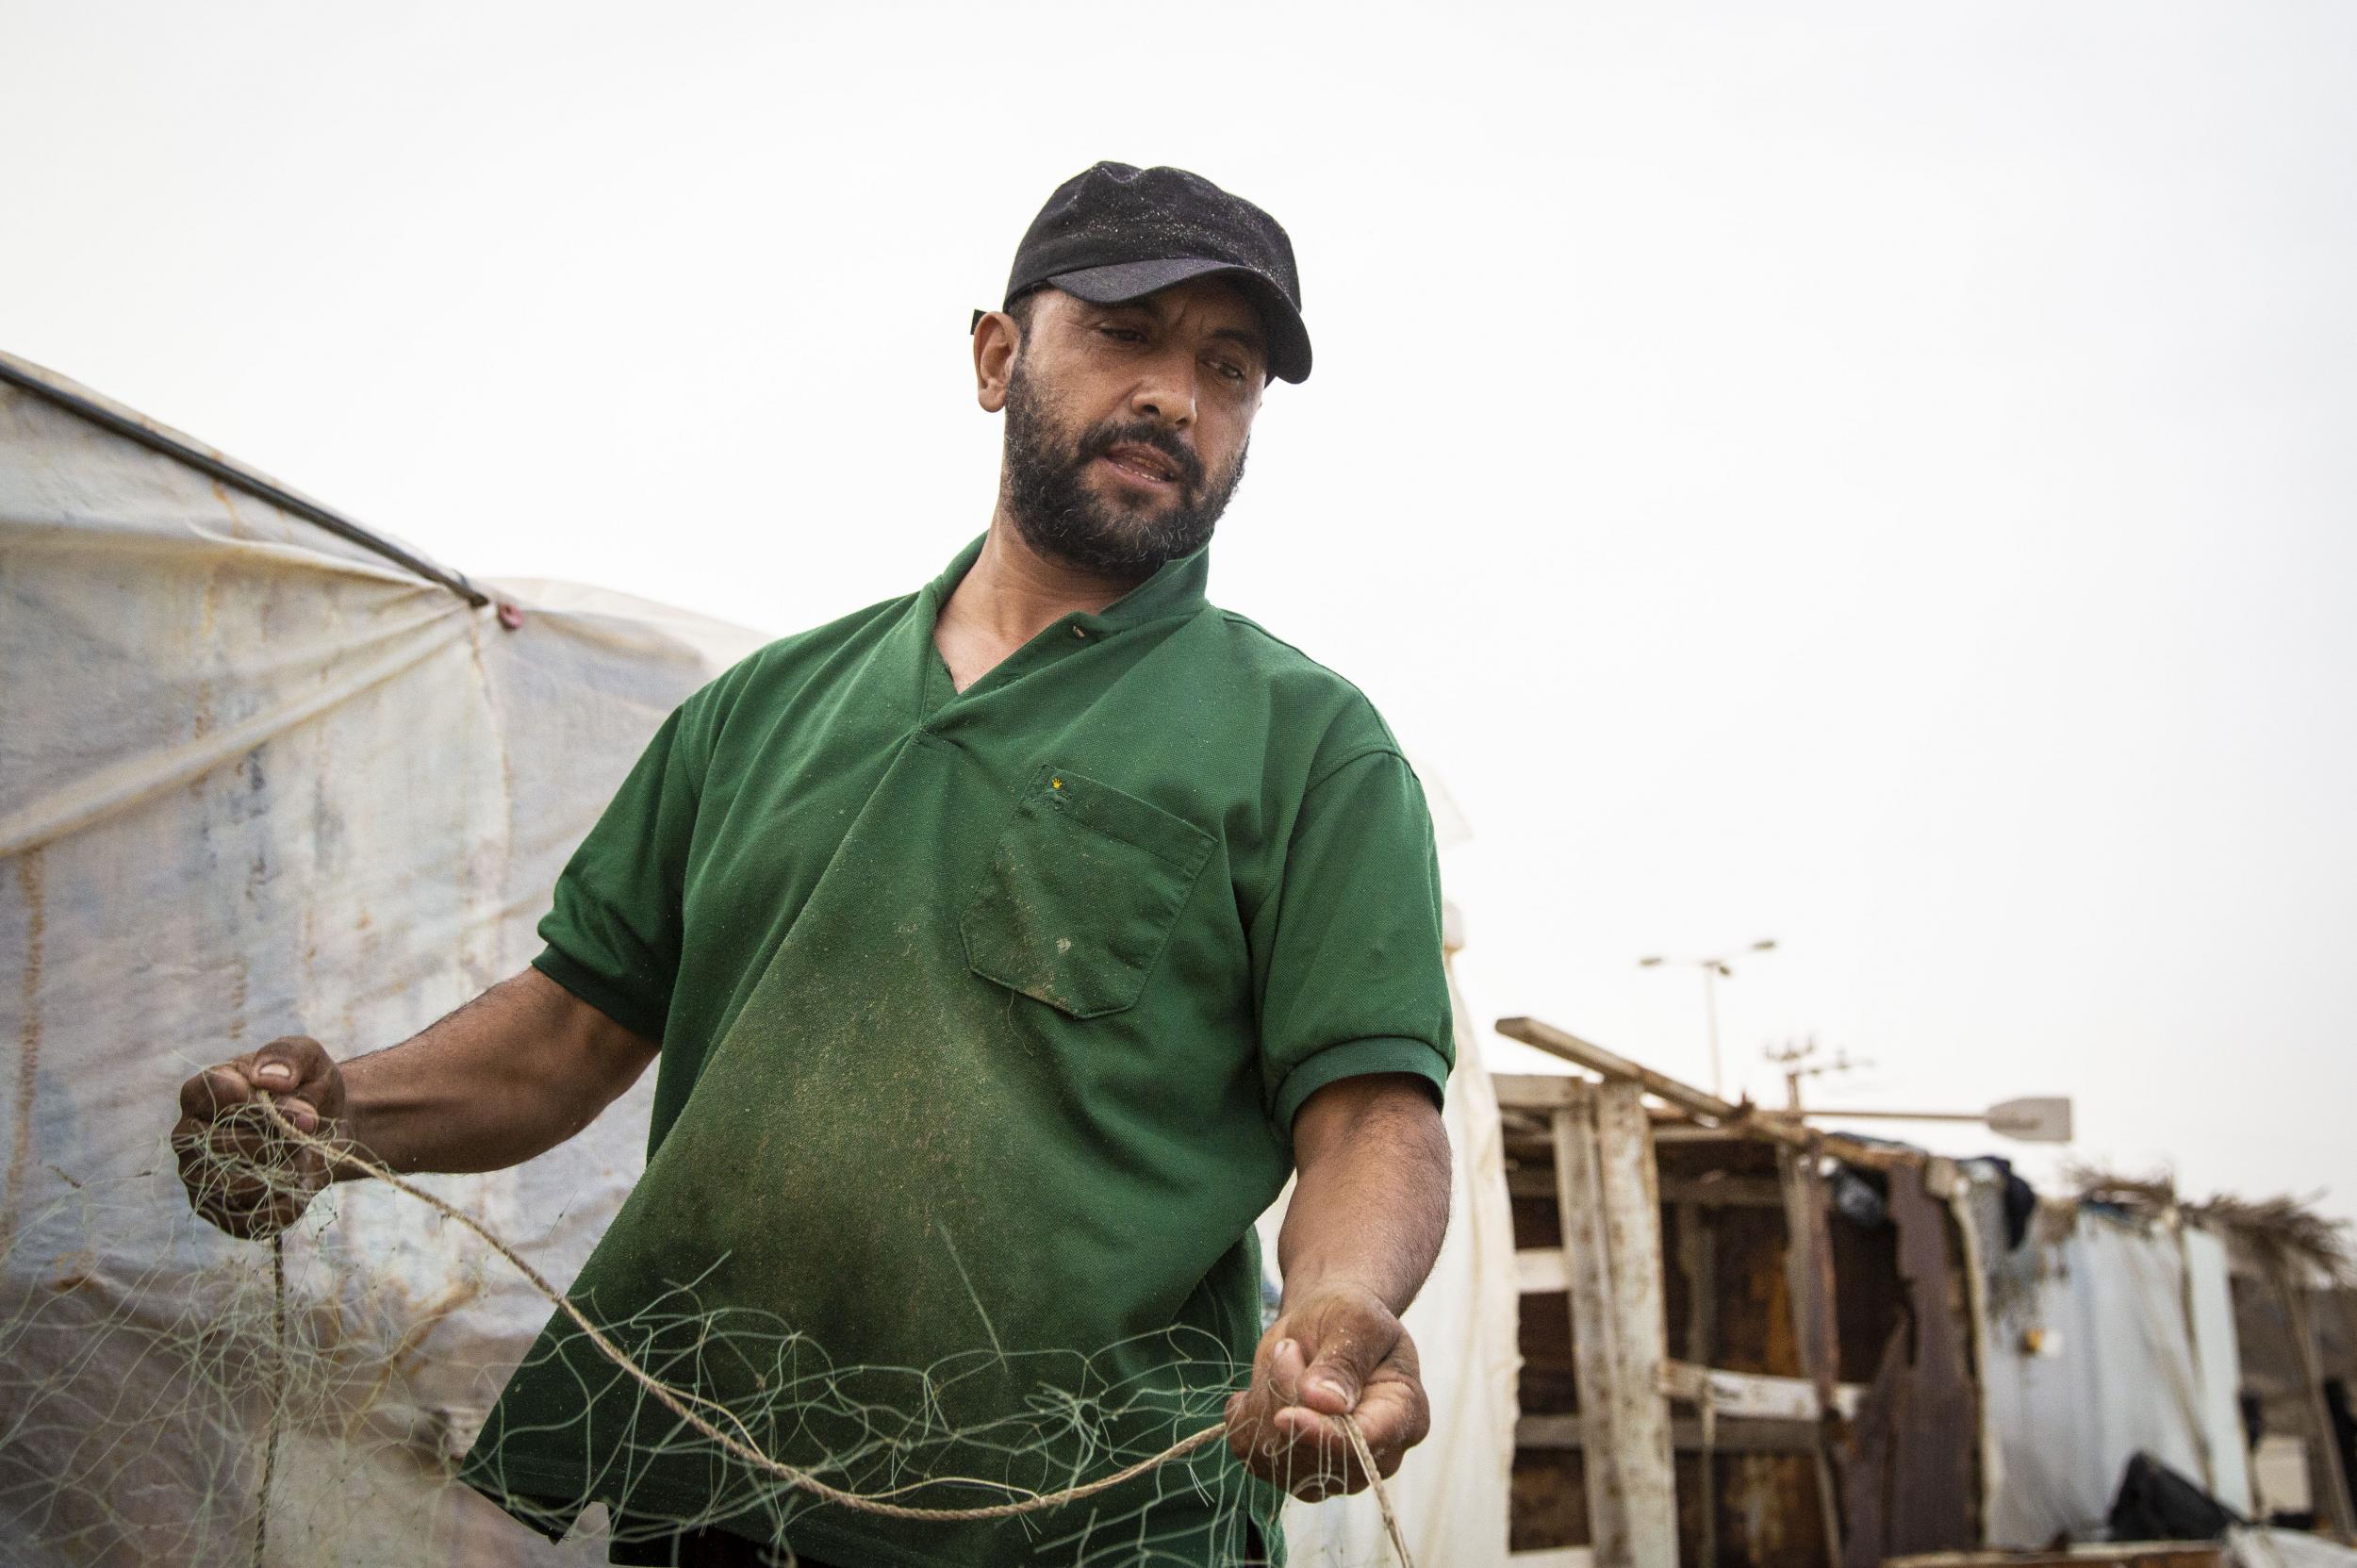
<point x="1159" y="311"/>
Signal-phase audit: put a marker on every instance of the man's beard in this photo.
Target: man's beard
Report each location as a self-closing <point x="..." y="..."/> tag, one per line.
<point x="1060" y="516"/>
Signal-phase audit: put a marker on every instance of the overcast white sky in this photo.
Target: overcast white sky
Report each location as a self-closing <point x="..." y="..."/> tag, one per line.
<point x="1874" y="476"/>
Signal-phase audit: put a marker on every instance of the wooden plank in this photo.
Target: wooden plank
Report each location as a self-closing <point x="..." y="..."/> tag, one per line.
<point x="1976" y="1320"/>
<point x="1695" y="1133"/>
<point x="1553" y="1557"/>
<point x="1744" y="1121"/>
<point x="1571" y="1048"/>
<point x="1938" y="1477"/>
<point x="1698" y="1263"/>
<point x="1912" y="1477"/>
<point x="1723" y="1192"/>
<point x="1698" y="1267"/>
<point x="1596" y="1366"/>
<point x="1542" y="1268"/>
<point x="1755" y="1395"/>
<point x="1549" y="1431"/>
<point x="1808" y="1278"/>
<point x="1534" y="1091"/>
<point x="1533" y="1179"/>
<point x="1686" y="1435"/>
<point x="1632" y="1216"/>
<point x="1808" y="1269"/>
<point x="1687" y="1380"/>
<point x="1872" y="1454"/>
<point x="2325" y="1441"/>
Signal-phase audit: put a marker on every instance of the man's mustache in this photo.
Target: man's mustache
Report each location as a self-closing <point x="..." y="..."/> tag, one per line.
<point x="1106" y="437"/>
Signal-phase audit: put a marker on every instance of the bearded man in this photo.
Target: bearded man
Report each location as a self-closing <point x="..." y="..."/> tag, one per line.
<point x="1003" y="949"/>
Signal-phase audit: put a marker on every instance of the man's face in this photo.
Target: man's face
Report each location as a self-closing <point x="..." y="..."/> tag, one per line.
<point x="1127" y="424"/>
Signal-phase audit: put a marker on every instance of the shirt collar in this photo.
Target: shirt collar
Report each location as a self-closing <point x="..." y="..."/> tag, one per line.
<point x="1175" y="589"/>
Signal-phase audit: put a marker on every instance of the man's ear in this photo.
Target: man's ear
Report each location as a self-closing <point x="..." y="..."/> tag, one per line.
<point x="997" y="340"/>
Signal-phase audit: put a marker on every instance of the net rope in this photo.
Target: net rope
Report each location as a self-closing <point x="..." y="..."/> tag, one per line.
<point x="302" y="1366"/>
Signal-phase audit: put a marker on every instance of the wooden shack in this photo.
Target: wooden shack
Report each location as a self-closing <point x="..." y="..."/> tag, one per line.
<point x="1724" y="1363"/>
<point x="1748" y="1342"/>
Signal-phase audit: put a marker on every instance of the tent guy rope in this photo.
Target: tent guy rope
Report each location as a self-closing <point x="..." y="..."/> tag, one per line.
<point x="682" y="1403"/>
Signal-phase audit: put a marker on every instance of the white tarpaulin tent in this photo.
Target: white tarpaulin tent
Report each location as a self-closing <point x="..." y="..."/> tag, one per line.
<point x="258" y="779"/>
<point x="2105" y="1336"/>
<point x="264" y="773"/>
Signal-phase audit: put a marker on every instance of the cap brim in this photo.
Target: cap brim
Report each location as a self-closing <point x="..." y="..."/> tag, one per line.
<point x="1125" y="281"/>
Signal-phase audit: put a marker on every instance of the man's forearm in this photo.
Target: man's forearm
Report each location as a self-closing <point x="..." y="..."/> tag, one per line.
<point x="1371" y="1204"/>
<point x="514" y="1072"/>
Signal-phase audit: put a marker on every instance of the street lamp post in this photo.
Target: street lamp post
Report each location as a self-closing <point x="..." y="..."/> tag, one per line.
<point x="1714" y="969"/>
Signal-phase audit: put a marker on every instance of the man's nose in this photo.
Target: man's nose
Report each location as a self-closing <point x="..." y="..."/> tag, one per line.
<point x="1166" y="391"/>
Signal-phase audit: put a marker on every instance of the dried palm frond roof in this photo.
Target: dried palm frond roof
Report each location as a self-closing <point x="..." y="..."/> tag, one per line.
<point x="2287" y="1228"/>
<point x="2284" y="1226"/>
<point x="2152" y="1192"/>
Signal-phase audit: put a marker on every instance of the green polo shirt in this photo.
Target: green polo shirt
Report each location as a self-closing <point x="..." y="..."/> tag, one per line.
<point x="984" y="1019"/>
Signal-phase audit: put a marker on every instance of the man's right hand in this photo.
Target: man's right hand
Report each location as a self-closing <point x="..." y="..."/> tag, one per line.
<point x="242" y="1172"/>
<point x="513" y="1073"/>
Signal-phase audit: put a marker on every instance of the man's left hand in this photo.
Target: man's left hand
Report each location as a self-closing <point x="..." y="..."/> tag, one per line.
<point x="1338" y="1351"/>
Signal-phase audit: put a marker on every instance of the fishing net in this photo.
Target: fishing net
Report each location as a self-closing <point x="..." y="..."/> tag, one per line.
<point x="296" y="1400"/>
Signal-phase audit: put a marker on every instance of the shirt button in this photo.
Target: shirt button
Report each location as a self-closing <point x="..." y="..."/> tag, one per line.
<point x="1078" y="630"/>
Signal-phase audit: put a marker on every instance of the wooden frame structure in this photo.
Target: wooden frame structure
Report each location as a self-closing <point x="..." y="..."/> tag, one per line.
<point x="1610" y="1266"/>
<point x="1643" y="1206"/>
<point x="1697" y="1389"/>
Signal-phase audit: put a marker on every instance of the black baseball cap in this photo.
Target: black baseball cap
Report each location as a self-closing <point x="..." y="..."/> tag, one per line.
<point x="1117" y="233"/>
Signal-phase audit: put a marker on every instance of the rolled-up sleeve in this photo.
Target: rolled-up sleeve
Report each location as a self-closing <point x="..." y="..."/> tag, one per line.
<point x="1348" y="952"/>
<point x="614" y="930"/>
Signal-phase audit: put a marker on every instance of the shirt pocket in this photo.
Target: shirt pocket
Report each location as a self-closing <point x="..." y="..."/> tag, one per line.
<point x="1081" y="892"/>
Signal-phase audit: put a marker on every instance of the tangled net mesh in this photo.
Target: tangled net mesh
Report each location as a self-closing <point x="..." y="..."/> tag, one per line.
<point x="299" y="1400"/>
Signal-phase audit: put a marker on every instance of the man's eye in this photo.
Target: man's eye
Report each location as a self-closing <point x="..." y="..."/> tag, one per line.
<point x="1233" y="372"/>
<point x="1123" y="334"/>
